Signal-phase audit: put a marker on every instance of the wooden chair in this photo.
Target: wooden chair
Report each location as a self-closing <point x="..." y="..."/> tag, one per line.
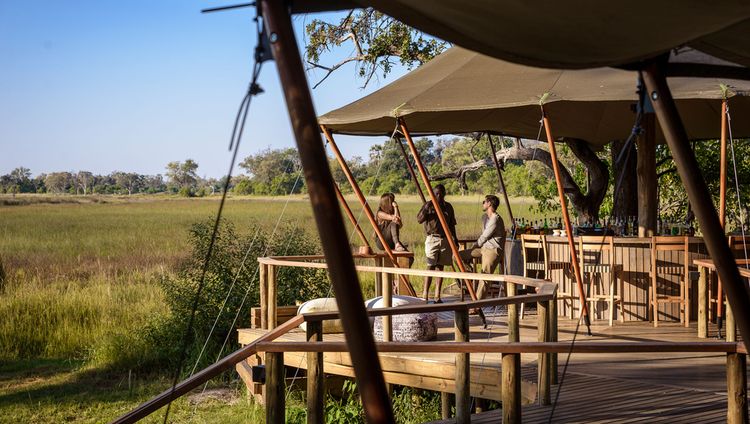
<point x="668" y="268"/>
<point x="536" y="261"/>
<point x="596" y="256"/>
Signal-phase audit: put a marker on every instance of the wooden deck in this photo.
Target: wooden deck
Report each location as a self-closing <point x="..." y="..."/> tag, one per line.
<point x="654" y="387"/>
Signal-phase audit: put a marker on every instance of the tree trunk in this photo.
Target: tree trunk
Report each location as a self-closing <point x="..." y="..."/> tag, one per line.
<point x="586" y="205"/>
<point x="625" y="192"/>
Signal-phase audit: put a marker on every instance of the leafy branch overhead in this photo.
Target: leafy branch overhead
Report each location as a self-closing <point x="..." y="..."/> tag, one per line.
<point x="377" y="40"/>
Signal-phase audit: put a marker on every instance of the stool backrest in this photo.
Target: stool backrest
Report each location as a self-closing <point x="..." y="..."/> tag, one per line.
<point x="532" y="245"/>
<point x="671" y="244"/>
<point x="593" y="249"/>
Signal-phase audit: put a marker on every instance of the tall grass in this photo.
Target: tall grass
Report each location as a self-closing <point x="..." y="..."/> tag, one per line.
<point x="80" y="276"/>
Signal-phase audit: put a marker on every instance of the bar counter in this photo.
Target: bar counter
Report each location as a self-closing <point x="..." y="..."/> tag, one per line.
<point x="633" y="280"/>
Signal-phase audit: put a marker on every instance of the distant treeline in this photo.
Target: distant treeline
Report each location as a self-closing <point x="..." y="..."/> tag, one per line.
<point x="277" y="172"/>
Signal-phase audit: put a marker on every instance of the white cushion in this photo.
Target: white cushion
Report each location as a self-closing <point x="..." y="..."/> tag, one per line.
<point x="323" y="304"/>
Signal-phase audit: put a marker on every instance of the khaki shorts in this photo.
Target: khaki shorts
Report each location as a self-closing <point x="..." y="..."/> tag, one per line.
<point x="438" y="251"/>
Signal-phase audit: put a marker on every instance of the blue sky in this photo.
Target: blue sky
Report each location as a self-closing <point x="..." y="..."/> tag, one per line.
<point x="131" y="85"/>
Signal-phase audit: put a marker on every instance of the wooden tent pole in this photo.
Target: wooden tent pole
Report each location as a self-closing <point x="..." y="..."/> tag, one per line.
<point x="738" y="293"/>
<point x="411" y="169"/>
<point x="349" y="214"/>
<point x="438" y="209"/>
<point x="566" y="220"/>
<point x="330" y="224"/>
<point x="366" y="207"/>
<point x="722" y="204"/>
<point x="500" y="179"/>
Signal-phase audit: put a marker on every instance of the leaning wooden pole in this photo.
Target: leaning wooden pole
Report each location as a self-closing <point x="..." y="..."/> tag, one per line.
<point x="500" y="179"/>
<point x="359" y="339"/>
<point x="366" y="207"/>
<point x="566" y="220"/>
<point x="351" y="217"/>
<point x="438" y="209"/>
<point x="411" y="169"/>
<point x="738" y="292"/>
<point x="722" y="205"/>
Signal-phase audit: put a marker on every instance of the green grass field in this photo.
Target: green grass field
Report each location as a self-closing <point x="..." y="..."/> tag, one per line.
<point x="80" y="279"/>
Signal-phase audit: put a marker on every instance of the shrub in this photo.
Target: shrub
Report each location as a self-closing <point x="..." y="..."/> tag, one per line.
<point x="234" y="266"/>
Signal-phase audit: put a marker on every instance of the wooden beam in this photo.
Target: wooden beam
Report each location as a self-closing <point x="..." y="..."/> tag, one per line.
<point x="525" y="347"/>
<point x="275" y="388"/>
<point x="737" y="388"/>
<point x="365" y="206"/>
<point x="263" y="296"/>
<point x="351" y="217"/>
<point x="411" y="169"/>
<point x="722" y="206"/>
<point x="543" y="371"/>
<point x="500" y="180"/>
<point x="272" y="301"/>
<point x="566" y="220"/>
<point x="202" y="376"/>
<point x="511" y="388"/>
<point x="328" y="219"/>
<point x="438" y="209"/>
<point x="315" y="377"/>
<point x="514" y="331"/>
<point x="463" y="363"/>
<point x="703" y="303"/>
<point x="738" y="292"/>
<point x="646" y="177"/>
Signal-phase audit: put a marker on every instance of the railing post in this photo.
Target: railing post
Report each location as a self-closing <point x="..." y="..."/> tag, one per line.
<point x="445" y="405"/>
<point x="378" y="276"/>
<point x="731" y="325"/>
<point x="272" y="301"/>
<point x="275" y="408"/>
<point x="703" y="302"/>
<point x="264" y="296"/>
<point x="511" y="388"/>
<point x="315" y="384"/>
<point x="736" y="388"/>
<point x="387" y="303"/>
<point x="463" y="380"/>
<point x="513" y="326"/>
<point x="543" y="363"/>
<point x="553" y="337"/>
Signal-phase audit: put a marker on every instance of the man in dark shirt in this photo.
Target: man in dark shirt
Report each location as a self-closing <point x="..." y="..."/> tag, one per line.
<point x="436" y="246"/>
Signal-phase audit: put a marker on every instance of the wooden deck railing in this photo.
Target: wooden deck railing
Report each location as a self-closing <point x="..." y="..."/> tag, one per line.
<point x="547" y="348"/>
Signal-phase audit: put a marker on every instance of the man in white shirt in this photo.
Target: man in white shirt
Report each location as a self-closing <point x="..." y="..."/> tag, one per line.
<point x="490" y="244"/>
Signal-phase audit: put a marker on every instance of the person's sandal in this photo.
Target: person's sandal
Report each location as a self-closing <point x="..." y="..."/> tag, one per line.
<point x="400" y="248"/>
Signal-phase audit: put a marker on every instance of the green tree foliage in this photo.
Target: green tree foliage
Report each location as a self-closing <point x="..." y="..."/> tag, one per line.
<point x="182" y="174"/>
<point x="378" y="41"/>
<point x="274" y="172"/>
<point x="233" y="265"/>
<point x="673" y="201"/>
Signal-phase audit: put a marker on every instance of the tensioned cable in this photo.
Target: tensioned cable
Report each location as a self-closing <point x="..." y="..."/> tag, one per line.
<point x="234" y="281"/>
<point x="737" y="184"/>
<point x="254" y="89"/>
<point x="255" y="275"/>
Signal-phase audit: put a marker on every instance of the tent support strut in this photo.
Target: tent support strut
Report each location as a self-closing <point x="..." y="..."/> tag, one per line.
<point x="360" y="341"/>
<point x="738" y="293"/>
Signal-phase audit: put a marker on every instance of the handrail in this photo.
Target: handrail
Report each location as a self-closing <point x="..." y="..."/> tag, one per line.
<point x="437" y="307"/>
<point x="514" y="279"/>
<point x="513" y="347"/>
<point x="206" y="374"/>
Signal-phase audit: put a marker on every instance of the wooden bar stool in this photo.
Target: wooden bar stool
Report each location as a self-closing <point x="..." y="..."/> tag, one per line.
<point x="670" y="268"/>
<point x="740" y="247"/>
<point x="596" y="255"/>
<point x="536" y="261"/>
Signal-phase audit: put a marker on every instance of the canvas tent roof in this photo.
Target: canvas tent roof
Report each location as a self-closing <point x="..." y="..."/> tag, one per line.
<point x="573" y="34"/>
<point x="463" y="91"/>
